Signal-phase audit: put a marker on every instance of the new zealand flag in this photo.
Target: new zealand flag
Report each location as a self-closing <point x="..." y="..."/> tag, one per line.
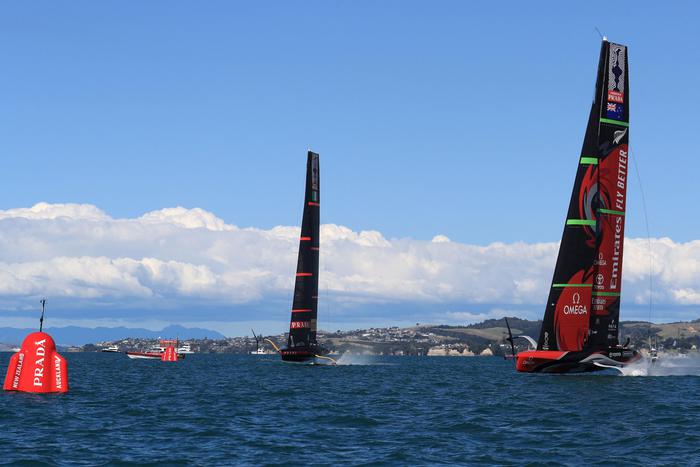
<point x="615" y="110"/>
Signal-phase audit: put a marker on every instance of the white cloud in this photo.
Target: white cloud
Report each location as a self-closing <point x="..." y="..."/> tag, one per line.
<point x="440" y="239"/>
<point x="196" y="218"/>
<point x="56" y="211"/>
<point x="82" y="255"/>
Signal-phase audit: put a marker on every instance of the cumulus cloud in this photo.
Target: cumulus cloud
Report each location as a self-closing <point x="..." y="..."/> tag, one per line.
<point x="81" y="254"/>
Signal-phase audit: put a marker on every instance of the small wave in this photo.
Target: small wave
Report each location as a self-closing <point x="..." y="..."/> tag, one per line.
<point x="665" y="365"/>
<point x="354" y="359"/>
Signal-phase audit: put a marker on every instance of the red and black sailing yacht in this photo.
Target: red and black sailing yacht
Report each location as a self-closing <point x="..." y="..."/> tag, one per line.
<point x="301" y="345"/>
<point x="580" y="326"/>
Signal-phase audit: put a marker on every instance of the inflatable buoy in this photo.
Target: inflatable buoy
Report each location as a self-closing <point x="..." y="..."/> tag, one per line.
<point x="170" y="354"/>
<point x="37" y="367"/>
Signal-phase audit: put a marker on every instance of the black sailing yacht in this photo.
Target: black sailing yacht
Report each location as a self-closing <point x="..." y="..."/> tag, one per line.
<point x="301" y="345"/>
<point x="580" y="325"/>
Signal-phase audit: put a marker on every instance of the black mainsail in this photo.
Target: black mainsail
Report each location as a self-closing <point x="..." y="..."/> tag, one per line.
<point x="302" y="345"/>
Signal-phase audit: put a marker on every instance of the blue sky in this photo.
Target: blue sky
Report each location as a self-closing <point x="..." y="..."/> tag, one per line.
<point x="462" y="119"/>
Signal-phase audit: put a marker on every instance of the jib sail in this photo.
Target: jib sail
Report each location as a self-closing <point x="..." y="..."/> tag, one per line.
<point x="302" y="328"/>
<point x="583" y="308"/>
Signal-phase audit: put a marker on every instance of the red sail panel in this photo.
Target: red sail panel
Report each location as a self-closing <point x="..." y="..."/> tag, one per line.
<point x="572" y="313"/>
<point x="613" y="187"/>
<point x="608" y="275"/>
<point x="613" y="161"/>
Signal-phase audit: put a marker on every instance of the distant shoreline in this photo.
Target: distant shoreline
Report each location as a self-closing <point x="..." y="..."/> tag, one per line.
<point x="484" y="338"/>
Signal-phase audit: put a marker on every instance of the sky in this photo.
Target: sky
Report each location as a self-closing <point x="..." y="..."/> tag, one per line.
<point x="153" y="157"/>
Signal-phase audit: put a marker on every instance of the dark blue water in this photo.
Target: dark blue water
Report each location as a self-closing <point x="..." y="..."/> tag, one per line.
<point x="218" y="409"/>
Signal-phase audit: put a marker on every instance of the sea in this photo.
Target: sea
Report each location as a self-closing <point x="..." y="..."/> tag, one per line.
<point x="256" y="410"/>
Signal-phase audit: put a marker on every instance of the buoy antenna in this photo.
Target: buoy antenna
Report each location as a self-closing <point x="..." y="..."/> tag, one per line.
<point x="43" y="309"/>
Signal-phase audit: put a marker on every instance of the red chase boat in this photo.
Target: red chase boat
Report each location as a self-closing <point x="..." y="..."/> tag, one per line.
<point x="166" y="352"/>
<point x="580" y="326"/>
<point x="37" y="367"/>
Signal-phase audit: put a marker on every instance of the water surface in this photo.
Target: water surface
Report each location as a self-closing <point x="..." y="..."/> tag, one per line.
<point x="255" y="410"/>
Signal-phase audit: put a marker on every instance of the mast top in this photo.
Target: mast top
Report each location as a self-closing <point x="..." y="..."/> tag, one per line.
<point x="604" y="38"/>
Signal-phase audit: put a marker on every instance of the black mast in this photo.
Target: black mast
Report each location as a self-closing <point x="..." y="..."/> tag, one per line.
<point x="257" y="340"/>
<point x="43" y="308"/>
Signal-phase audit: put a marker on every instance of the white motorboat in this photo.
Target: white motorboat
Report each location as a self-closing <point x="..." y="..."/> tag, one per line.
<point x="185" y="348"/>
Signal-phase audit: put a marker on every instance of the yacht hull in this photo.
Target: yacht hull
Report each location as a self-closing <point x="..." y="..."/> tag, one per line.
<point x="308" y="356"/>
<point x="555" y="361"/>
<point x="297" y="356"/>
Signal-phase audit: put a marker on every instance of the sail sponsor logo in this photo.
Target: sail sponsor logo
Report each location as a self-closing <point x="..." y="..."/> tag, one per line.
<point x="621" y="180"/>
<point x="598" y="304"/>
<point x="599" y="280"/>
<point x="314" y="172"/>
<point x="618" y="135"/>
<point x="575" y="308"/>
<point x="616" y="96"/>
<point x="615" y="111"/>
<point x="39" y="362"/>
<point x="300" y="324"/>
<point x="616" y="69"/>
<point x="617" y="250"/>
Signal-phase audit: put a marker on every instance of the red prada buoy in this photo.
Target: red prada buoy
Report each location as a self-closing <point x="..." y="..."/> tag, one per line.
<point x="37" y="367"/>
<point x="170" y="353"/>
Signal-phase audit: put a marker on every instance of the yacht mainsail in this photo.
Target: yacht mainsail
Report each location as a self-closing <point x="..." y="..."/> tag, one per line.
<point x="583" y="308"/>
<point x="301" y="344"/>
